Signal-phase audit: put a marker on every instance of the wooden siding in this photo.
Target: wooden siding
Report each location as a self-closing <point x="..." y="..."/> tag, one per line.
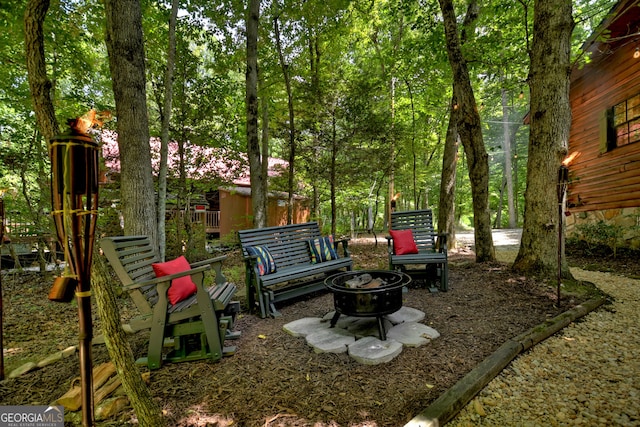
<point x="605" y="180"/>
<point x="236" y="212"/>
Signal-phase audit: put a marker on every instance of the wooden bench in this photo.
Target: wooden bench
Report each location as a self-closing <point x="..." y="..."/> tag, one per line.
<point x="420" y="222"/>
<point x="197" y="326"/>
<point x="295" y="274"/>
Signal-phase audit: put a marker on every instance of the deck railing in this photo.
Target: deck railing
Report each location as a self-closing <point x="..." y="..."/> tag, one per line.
<point x="210" y="219"/>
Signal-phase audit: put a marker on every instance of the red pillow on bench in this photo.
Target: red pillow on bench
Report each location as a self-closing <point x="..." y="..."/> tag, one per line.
<point x="182" y="287"/>
<point x="403" y="242"/>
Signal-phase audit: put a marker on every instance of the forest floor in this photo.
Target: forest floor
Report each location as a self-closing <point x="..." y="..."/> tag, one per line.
<point x="275" y="379"/>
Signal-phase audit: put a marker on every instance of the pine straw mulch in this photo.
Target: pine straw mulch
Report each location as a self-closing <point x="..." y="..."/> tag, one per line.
<point x="275" y="379"/>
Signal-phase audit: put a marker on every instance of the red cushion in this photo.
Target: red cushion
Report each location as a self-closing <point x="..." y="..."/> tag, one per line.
<point x="403" y="242"/>
<point x="181" y="288"/>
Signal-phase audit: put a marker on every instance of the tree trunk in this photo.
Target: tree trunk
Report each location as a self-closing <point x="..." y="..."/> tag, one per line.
<point x="126" y="61"/>
<point x="508" y="170"/>
<point x="39" y="83"/>
<point x="164" y="138"/>
<point x="258" y="192"/>
<point x="447" y="204"/>
<point x="292" y="128"/>
<point x="470" y="131"/>
<point x="550" y="117"/>
<point x="120" y="353"/>
<point x="332" y="171"/>
<point x="265" y="158"/>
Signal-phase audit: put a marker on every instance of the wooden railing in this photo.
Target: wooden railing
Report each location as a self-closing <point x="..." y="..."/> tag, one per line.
<point x="210" y="219"/>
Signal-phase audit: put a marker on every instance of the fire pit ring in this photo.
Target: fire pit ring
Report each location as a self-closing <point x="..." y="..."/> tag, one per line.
<point x="367" y="293"/>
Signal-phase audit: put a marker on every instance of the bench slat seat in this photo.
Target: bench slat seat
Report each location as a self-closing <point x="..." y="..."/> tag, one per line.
<point x="420" y="222"/>
<point x="196" y="326"/>
<point x="295" y="274"/>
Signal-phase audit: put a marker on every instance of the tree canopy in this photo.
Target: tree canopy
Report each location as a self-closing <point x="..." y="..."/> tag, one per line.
<point x="370" y="93"/>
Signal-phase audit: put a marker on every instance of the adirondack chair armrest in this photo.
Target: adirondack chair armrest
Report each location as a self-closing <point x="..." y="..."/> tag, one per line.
<point x="216" y="265"/>
<point x="209" y="261"/>
<point x="442" y="242"/>
<point x="345" y="246"/>
<point x="168" y="278"/>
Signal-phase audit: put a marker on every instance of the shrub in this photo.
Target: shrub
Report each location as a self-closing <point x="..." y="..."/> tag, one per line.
<point x="601" y="234"/>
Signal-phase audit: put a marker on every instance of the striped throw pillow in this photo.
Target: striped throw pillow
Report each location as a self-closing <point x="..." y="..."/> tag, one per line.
<point x="322" y="249"/>
<point x="266" y="264"/>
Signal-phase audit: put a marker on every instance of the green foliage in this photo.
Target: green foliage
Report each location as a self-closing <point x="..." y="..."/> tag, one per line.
<point x="371" y="83"/>
<point x="108" y="221"/>
<point x="601" y="233"/>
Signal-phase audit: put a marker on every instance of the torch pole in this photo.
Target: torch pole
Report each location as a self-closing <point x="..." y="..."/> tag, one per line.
<point x="1" y="302"/>
<point x="85" y="325"/>
<point x="563" y="179"/>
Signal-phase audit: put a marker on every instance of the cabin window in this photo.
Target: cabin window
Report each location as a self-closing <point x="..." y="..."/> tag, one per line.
<point x="623" y="123"/>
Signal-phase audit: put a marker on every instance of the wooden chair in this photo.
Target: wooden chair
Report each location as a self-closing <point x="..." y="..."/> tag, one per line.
<point x="197" y="326"/>
<point x="420" y="222"/>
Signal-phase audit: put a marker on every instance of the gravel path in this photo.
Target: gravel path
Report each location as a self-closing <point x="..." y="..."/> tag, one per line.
<point x="588" y="374"/>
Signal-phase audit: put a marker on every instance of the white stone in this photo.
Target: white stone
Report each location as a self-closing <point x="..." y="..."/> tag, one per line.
<point x="305" y="326"/>
<point x="332" y="340"/>
<point x="406" y="314"/>
<point x="412" y="334"/>
<point x="372" y="351"/>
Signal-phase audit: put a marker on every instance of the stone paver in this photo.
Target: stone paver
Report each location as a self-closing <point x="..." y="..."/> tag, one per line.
<point x="359" y="336"/>
<point x="412" y="334"/>
<point x="372" y="351"/>
<point x="330" y="340"/>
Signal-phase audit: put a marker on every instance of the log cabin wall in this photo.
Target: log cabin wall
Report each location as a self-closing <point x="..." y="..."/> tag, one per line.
<point x="236" y="211"/>
<point x="604" y="181"/>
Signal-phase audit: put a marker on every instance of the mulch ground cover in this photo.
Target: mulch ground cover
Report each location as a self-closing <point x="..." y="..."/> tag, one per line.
<point x="275" y="379"/>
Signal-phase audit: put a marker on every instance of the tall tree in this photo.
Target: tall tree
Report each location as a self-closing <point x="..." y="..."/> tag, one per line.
<point x="550" y="118"/>
<point x="447" y="205"/>
<point x="126" y="61"/>
<point x="256" y="159"/>
<point x="164" y="134"/>
<point x="41" y="87"/>
<point x="506" y="148"/>
<point x="470" y="131"/>
<point x="292" y="128"/>
<point x="39" y="82"/>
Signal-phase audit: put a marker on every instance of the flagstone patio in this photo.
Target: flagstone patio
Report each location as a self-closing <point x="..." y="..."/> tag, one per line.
<point x="359" y="336"/>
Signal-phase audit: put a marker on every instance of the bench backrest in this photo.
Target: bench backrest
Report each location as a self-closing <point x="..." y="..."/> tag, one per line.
<point x="421" y="223"/>
<point x="288" y="244"/>
<point x="131" y="258"/>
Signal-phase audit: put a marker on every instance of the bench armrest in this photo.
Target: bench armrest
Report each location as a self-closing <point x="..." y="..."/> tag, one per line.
<point x="389" y="245"/>
<point x="441" y="243"/>
<point x="345" y="246"/>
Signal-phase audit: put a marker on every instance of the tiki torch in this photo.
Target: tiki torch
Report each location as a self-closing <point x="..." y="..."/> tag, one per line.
<point x="563" y="182"/>
<point x="74" y="196"/>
